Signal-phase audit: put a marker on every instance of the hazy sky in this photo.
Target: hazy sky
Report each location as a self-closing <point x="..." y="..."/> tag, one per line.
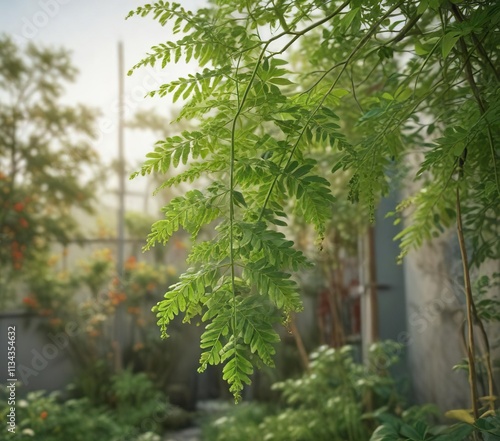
<point x="91" y="29"/>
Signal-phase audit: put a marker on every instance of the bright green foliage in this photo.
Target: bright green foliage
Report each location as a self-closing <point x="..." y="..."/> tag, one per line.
<point x="45" y="416"/>
<point x="331" y="398"/>
<point x="136" y="399"/>
<point x="338" y="400"/>
<point x="240" y="423"/>
<point x="138" y="412"/>
<point x="376" y="89"/>
<point x="396" y="429"/>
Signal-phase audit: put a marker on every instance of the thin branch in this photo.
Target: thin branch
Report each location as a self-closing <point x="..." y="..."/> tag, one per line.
<point x="487" y="355"/>
<point x="351" y="77"/>
<point x="311" y="115"/>
<point x="296" y="34"/>
<point x="405" y="29"/>
<point x="480" y="48"/>
<point x="361" y="43"/>
<point x="480" y="102"/>
<point x="471" y="356"/>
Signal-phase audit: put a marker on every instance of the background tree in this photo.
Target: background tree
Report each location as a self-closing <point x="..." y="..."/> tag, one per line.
<point x="434" y="101"/>
<point x="47" y="161"/>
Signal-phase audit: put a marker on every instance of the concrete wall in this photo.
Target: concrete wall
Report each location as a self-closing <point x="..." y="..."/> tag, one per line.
<point x="42" y="361"/>
<point x="436" y="315"/>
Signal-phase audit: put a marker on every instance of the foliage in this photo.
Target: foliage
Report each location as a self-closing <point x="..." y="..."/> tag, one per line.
<point x="338" y="399"/>
<point x="334" y="399"/>
<point x="488" y="306"/>
<point x="376" y="85"/>
<point x="48" y="164"/>
<point x="240" y="424"/>
<point x="393" y="429"/>
<point x="135" y="399"/>
<point x="87" y="301"/>
<point x="139" y="413"/>
<point x="44" y="416"/>
<point x="341" y="399"/>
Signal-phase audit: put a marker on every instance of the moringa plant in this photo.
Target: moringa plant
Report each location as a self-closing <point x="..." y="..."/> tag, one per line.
<point x="382" y="88"/>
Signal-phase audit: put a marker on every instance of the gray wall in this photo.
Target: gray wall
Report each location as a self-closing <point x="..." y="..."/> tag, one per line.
<point x="435" y="317"/>
<point x="390" y="275"/>
<point x="42" y="361"/>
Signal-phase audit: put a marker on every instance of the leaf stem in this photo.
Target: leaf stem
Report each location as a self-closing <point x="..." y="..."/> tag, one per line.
<point x="241" y="103"/>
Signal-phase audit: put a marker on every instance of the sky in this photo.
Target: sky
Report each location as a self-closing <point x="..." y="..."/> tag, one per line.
<point x="91" y="30"/>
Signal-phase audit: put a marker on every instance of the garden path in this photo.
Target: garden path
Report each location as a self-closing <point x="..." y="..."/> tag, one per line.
<point x="189" y="434"/>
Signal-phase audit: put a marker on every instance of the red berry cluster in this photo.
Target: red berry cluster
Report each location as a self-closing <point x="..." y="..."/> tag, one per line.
<point x="15" y="224"/>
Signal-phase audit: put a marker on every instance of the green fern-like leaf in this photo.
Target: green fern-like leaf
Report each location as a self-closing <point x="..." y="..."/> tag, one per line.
<point x="185" y="296"/>
<point x="257" y="240"/>
<point x="276" y="285"/>
<point x="255" y="329"/>
<point x="199" y="86"/>
<point x="237" y="369"/>
<point x="213" y="339"/>
<point x="191" y="212"/>
<point x="176" y="150"/>
<point x="313" y="191"/>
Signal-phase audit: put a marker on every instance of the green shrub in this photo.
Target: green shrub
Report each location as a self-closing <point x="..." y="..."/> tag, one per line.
<point x="133" y="410"/>
<point x="137" y="402"/>
<point x="335" y="401"/>
<point x="486" y="428"/>
<point x="241" y="424"/>
<point x="42" y="416"/>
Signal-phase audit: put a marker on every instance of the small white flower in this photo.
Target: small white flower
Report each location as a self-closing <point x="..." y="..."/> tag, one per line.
<point x="22" y="403"/>
<point x="29" y="432"/>
<point x="149" y="436"/>
<point x="220" y="421"/>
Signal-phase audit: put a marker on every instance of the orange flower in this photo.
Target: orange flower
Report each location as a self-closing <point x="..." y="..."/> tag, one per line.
<point x="44" y="414"/>
<point x="54" y="322"/>
<point x="151" y="286"/>
<point x="18" y="206"/>
<point x="30" y="301"/>
<point x="117" y="297"/>
<point x="23" y="222"/>
<point x="131" y="263"/>
<point x="17" y="255"/>
<point x="134" y="310"/>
